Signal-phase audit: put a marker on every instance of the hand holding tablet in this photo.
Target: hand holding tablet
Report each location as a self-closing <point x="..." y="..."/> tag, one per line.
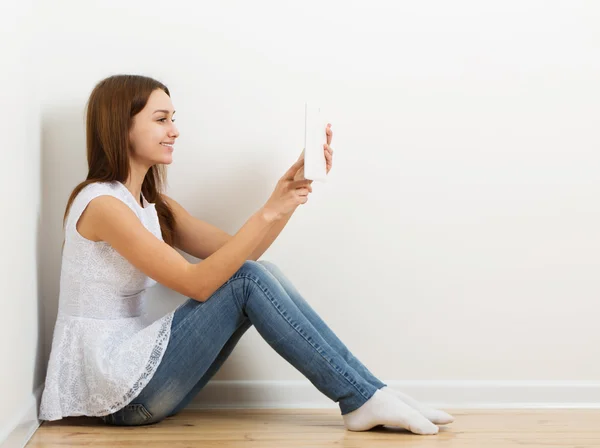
<point x="315" y="137"/>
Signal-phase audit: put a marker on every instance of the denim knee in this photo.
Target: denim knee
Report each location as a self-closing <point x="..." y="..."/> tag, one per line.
<point x="252" y="267"/>
<point x="271" y="270"/>
<point x="269" y="265"/>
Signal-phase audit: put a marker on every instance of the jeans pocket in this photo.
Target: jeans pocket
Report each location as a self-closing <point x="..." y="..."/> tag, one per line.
<point x="130" y="415"/>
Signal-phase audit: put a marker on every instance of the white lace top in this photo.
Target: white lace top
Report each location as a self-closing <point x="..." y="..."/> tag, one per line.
<point x="104" y="349"/>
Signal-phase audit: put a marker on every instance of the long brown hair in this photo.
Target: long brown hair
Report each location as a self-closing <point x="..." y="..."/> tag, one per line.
<point x="110" y="110"/>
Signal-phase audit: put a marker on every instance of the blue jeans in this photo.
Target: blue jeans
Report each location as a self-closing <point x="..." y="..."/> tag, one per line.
<point x="203" y="335"/>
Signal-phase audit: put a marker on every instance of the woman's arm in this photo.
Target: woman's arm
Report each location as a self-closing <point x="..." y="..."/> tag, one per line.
<point x="270" y="237"/>
<point x="194" y="236"/>
<point x="201" y="239"/>
<point x="114" y="222"/>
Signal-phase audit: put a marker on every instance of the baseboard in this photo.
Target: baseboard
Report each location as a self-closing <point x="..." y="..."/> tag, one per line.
<point x="16" y="433"/>
<point x="441" y="394"/>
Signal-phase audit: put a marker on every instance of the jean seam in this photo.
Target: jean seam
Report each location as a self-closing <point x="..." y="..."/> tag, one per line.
<point x="147" y="414"/>
<point x="182" y="320"/>
<point x="316" y="347"/>
<point x="235" y="298"/>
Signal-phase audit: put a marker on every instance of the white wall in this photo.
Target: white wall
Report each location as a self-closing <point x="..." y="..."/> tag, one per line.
<point x="21" y="332"/>
<point x="457" y="237"/>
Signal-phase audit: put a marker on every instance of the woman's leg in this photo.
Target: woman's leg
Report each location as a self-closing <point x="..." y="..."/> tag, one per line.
<point x="312" y="317"/>
<point x="203" y="329"/>
<point x="320" y="325"/>
<point x="214" y="367"/>
<point x="434" y="415"/>
<point x="203" y="334"/>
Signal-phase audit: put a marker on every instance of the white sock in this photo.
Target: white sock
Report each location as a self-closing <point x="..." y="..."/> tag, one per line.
<point x="433" y="415"/>
<point x="386" y="409"/>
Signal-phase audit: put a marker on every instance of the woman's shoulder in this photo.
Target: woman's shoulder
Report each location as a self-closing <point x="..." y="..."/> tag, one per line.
<point x="94" y="189"/>
<point x="110" y="188"/>
<point x="91" y="191"/>
<point x="99" y="186"/>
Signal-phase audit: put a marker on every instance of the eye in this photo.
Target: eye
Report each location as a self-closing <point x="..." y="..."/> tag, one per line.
<point x="161" y="119"/>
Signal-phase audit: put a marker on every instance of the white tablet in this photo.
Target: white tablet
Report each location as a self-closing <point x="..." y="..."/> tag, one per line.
<point x="315" y="165"/>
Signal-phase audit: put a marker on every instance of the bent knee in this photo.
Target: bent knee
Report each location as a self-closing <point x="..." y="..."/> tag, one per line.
<point x="268" y="264"/>
<point x="250" y="266"/>
<point x="256" y="267"/>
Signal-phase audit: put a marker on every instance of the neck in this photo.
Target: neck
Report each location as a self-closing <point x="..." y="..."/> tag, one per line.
<point x="135" y="180"/>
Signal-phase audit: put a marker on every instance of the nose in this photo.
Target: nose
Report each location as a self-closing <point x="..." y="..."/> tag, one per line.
<point x="174" y="132"/>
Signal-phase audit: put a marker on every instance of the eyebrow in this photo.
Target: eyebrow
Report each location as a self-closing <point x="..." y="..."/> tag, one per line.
<point x="163" y="110"/>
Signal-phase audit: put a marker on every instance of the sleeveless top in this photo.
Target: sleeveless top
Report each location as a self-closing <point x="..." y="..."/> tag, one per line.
<point x="104" y="348"/>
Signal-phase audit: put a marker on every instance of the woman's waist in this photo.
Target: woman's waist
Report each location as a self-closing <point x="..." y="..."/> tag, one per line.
<point x="102" y="306"/>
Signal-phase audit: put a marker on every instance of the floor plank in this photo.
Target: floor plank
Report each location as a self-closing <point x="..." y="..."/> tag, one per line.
<point x="315" y="428"/>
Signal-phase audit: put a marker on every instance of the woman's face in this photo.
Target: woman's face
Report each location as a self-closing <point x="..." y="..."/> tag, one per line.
<point x="153" y="132"/>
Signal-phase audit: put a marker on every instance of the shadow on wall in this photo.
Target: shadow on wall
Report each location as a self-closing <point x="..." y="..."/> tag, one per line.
<point x="63" y="165"/>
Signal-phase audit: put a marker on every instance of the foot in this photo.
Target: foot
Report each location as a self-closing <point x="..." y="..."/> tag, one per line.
<point x="433" y="415"/>
<point x="386" y="409"/>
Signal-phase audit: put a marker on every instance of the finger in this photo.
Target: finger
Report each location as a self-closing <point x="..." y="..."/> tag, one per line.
<point x="289" y="175"/>
<point x="300" y="183"/>
<point x="301" y="154"/>
<point x="329" y="133"/>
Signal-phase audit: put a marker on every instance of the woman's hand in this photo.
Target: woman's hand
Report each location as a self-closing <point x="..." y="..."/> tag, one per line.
<point x="288" y="194"/>
<point x="328" y="150"/>
<point x="328" y="155"/>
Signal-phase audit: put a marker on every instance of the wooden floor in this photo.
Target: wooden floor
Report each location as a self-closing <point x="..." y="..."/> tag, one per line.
<point x="324" y="428"/>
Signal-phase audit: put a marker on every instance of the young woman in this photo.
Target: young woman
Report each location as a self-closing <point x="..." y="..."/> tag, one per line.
<point x="121" y="231"/>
